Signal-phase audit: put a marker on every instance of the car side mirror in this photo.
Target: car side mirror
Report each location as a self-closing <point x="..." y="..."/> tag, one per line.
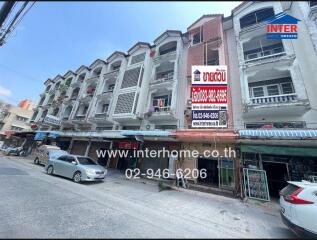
<point x="74" y="162"/>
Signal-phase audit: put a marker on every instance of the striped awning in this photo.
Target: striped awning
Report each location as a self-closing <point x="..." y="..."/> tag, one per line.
<point x="279" y="133"/>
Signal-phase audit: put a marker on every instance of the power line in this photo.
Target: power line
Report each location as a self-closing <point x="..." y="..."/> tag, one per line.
<point x="19" y="73"/>
<point x="15" y="21"/>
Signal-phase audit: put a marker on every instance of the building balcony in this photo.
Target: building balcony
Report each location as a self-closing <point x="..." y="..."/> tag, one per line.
<point x="171" y="56"/>
<point x="51" y="91"/>
<point x="100" y="118"/>
<point x="93" y="79"/>
<point x="278" y="105"/>
<point x="161" y="114"/>
<point x="105" y="95"/>
<point x="77" y="83"/>
<point x="111" y="75"/>
<point x="86" y="97"/>
<point x="159" y="81"/>
<point x="285" y="98"/>
<point x="79" y="117"/>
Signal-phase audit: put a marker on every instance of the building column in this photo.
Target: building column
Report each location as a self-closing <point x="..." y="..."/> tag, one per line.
<point x="88" y="148"/>
<point x="70" y="145"/>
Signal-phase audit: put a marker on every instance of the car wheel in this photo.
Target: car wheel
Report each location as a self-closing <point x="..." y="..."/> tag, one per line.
<point x="50" y="170"/>
<point x="77" y="177"/>
<point x="36" y="161"/>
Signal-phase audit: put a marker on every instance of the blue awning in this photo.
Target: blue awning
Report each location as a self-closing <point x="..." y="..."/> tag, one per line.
<point x="279" y="133"/>
<point x="146" y="133"/>
<point x="40" y="135"/>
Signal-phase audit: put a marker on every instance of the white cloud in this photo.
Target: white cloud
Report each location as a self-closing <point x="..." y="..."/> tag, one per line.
<point x="5" y="92"/>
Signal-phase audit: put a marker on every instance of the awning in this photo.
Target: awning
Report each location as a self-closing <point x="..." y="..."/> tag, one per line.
<point x="155" y="133"/>
<point x="41" y="135"/>
<point x="93" y="134"/>
<point x="275" y="150"/>
<point x="278" y="133"/>
<point x="206" y="135"/>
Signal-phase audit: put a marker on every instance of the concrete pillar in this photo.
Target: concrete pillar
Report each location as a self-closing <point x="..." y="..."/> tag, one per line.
<point x="70" y="145"/>
<point x="88" y="148"/>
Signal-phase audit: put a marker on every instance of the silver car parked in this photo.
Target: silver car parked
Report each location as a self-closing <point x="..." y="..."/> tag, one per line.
<point x="78" y="168"/>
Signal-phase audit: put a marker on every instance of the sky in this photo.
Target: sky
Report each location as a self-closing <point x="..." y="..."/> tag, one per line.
<point x="55" y="37"/>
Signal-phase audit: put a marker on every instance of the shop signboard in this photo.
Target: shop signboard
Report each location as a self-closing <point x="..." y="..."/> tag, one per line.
<point x="52" y="120"/>
<point x="209" y="96"/>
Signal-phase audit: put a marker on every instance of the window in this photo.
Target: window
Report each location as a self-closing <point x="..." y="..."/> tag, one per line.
<point x="63" y="158"/>
<point x="55" y="112"/>
<point x="57" y="85"/>
<point x="258" y="92"/>
<point x="86" y="161"/>
<point x="161" y="102"/>
<point x="287" y="88"/>
<point x="313" y="3"/>
<point x="256" y="17"/>
<point x="22" y="119"/>
<point x="85" y="109"/>
<point x="197" y="37"/>
<point x="168" y="48"/>
<point x="138" y="58"/>
<point x="104" y="108"/>
<point x="68" y="81"/>
<point x="272" y="90"/>
<point x="15" y="128"/>
<point x="48" y="88"/>
<point x="111" y="87"/>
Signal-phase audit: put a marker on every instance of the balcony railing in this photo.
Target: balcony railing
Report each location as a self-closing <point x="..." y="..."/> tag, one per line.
<point x="166" y="57"/>
<point x="101" y="115"/>
<point x="271" y="53"/>
<point x="65" y="118"/>
<point x="167" y="78"/>
<point x="92" y="79"/>
<point x="285" y="98"/>
<point x="80" y="117"/>
<point x="161" y="109"/>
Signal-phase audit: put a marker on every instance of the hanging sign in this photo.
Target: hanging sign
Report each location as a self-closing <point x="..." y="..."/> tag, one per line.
<point x="209" y="96"/>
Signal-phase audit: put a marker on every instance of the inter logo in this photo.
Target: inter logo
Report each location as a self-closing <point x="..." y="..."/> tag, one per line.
<point x="282" y="26"/>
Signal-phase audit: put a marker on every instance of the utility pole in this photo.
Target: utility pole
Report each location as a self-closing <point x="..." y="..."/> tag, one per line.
<point x="5" y="10"/>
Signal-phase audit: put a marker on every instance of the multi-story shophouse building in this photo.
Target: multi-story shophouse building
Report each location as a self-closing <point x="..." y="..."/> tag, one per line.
<point x="141" y="90"/>
<point x="274" y="84"/>
<point x="208" y="47"/>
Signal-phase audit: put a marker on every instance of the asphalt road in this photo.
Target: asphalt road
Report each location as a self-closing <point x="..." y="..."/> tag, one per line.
<point x="36" y="205"/>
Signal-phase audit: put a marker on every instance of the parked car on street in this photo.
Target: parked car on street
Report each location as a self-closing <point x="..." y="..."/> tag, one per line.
<point x="78" y="168"/>
<point x="16" y="151"/>
<point x="45" y="152"/>
<point x="298" y="201"/>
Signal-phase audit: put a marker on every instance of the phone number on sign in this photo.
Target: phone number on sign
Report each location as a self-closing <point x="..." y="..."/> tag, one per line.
<point x="165" y="173"/>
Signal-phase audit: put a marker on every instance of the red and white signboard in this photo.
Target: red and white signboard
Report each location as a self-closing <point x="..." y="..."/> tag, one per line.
<point x="209" y="96"/>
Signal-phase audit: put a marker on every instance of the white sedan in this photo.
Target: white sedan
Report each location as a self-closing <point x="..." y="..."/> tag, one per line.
<point x="298" y="201"/>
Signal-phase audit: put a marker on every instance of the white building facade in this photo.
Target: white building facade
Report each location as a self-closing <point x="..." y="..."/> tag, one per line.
<point x="142" y="89"/>
<point x="277" y="77"/>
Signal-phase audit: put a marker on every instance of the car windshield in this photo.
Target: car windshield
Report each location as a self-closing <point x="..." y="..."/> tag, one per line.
<point x="86" y="161"/>
<point x="54" y="153"/>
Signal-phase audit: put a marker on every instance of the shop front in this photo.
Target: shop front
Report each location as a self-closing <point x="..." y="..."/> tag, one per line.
<point x="213" y="151"/>
<point x="289" y="155"/>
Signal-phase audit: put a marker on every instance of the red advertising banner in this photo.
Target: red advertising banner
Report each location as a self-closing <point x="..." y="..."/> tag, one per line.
<point x="209" y="94"/>
<point x="128" y="145"/>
